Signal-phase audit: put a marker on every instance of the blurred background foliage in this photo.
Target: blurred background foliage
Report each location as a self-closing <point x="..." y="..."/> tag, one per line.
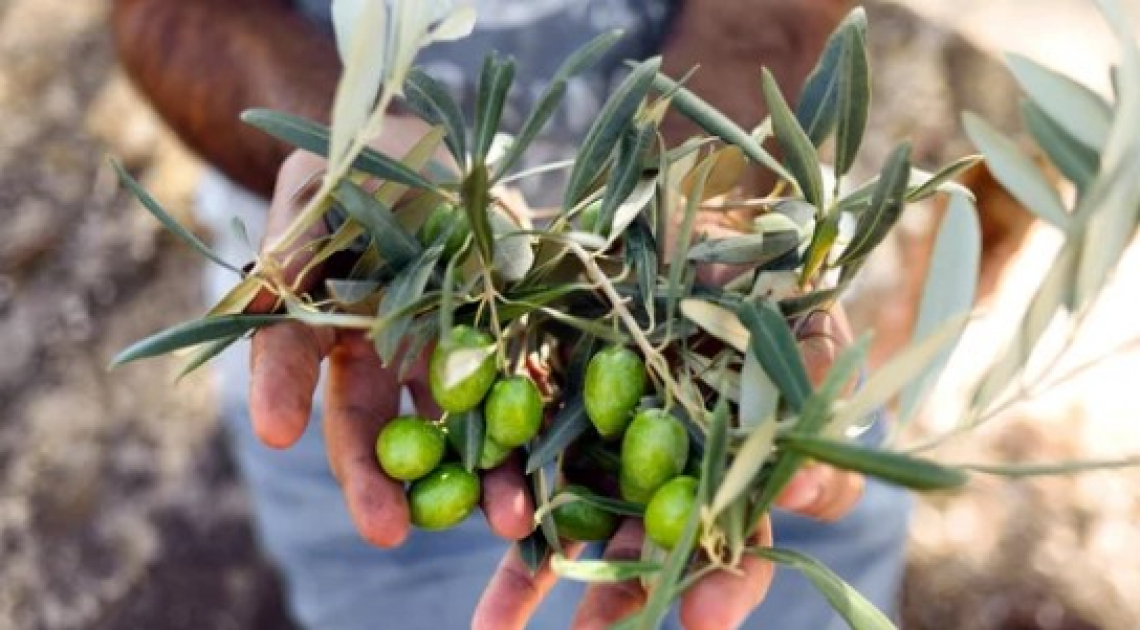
<point x="120" y="509"/>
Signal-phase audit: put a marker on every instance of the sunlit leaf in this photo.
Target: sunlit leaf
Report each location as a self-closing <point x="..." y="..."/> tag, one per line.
<point x="746" y="465"/>
<point x="1078" y="110"/>
<point x="1016" y="172"/>
<point x="1076" y="161"/>
<point x="889" y="380"/>
<point x="514" y="254"/>
<point x="951" y="284"/>
<point x="601" y="571"/>
<point x="714" y="460"/>
<point x="364" y="55"/>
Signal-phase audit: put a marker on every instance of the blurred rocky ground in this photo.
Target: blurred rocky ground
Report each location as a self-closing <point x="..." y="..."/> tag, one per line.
<point x="119" y="508"/>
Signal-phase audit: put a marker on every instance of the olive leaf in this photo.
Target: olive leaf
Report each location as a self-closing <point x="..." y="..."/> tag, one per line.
<point x="856" y="610"/>
<point x="477" y="202"/>
<point x="713" y="121"/>
<point x="466" y="431"/>
<point x="1016" y="172"/>
<point x="625" y="177"/>
<point x="749" y="249"/>
<point x="889" y="380"/>
<point x="579" y="60"/>
<point x="1077" y="162"/>
<point x="613" y="506"/>
<point x="168" y="221"/>
<point x="886" y="207"/>
<point x="396" y="245"/>
<point x="193" y="333"/>
<point x="1078" y="110"/>
<point x="205" y="352"/>
<point x="951" y="282"/>
<point x="407" y="287"/>
<point x="494" y="83"/>
<point x="612" y="121"/>
<point x="534" y="551"/>
<point x="568" y="425"/>
<point x="308" y="135"/>
<point x="601" y="571"/>
<point x="775" y="346"/>
<point x="895" y="468"/>
<point x="854" y="98"/>
<point x="799" y="153"/>
<point x="718" y="321"/>
<point x="432" y="102"/>
<point x="750" y="458"/>
<point x="818" y="107"/>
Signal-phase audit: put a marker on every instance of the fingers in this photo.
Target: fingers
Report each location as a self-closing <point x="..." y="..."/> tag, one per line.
<point x="285" y="364"/>
<point x="360" y="396"/>
<point x="606" y="604"/>
<point x="722" y="600"/>
<point x="513" y="593"/>
<point x="823" y="335"/>
<point x="822" y="492"/>
<point x="506" y="502"/>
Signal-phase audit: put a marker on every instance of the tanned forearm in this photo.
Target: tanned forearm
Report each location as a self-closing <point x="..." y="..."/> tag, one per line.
<point x="202" y="62"/>
<point x="731" y="39"/>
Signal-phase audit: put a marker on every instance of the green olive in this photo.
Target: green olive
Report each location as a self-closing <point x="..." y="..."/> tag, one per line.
<point x="614" y="385"/>
<point x="582" y="520"/>
<point x="513" y="411"/>
<point x="444" y="498"/>
<point x="409" y="447"/>
<point x="669" y="509"/>
<point x="653" y="451"/>
<point x="469" y="391"/>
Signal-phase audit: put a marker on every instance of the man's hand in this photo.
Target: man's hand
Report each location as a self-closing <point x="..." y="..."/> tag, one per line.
<point x="360" y="395"/>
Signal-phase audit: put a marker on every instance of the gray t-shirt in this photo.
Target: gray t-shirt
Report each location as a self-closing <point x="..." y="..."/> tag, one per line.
<point x="539" y="35"/>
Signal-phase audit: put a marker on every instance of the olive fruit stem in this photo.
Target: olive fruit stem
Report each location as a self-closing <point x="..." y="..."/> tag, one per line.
<point x="653" y="358"/>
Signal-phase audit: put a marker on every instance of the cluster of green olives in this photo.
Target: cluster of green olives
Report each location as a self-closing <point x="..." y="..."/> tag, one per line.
<point x="654" y="443"/>
<point x="414" y="449"/>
